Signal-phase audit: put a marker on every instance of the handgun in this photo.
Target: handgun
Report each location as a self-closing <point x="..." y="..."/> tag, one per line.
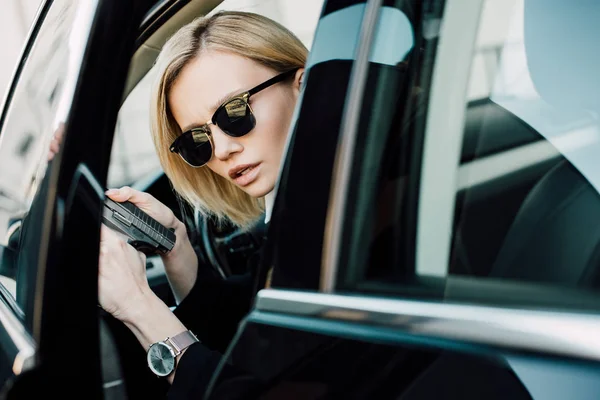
<point x="144" y="232"/>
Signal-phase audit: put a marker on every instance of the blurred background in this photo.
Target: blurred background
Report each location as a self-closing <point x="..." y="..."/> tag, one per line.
<point x="15" y="20"/>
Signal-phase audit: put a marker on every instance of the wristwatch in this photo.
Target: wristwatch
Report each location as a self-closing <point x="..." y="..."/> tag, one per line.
<point x="161" y="355"/>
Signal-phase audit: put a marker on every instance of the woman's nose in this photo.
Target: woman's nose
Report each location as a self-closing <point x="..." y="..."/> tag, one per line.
<point x="224" y="145"/>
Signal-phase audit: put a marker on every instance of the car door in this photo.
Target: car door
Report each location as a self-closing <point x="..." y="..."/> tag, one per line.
<point x="366" y="300"/>
<point x="66" y="88"/>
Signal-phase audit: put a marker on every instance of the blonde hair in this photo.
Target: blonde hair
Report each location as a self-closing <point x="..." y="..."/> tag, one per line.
<point x="249" y="35"/>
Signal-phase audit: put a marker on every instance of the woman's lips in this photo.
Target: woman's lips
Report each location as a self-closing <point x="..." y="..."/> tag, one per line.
<point x="247" y="176"/>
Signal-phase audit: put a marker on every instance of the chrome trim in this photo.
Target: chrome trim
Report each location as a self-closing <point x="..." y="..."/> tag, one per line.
<point x="112" y="384"/>
<point x="159" y="8"/>
<point x="25" y="358"/>
<point x="559" y="333"/>
<point x="444" y="127"/>
<point x="82" y="26"/>
<point x="344" y="152"/>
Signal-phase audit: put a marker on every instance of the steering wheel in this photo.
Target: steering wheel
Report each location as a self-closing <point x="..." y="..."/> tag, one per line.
<point x="226" y="247"/>
<point x="210" y="246"/>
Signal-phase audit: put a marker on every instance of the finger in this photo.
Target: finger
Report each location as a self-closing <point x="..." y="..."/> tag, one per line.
<point x="60" y="131"/>
<point x="54" y="146"/>
<point x="128" y="194"/>
<point x="146" y="202"/>
<point x="134" y="252"/>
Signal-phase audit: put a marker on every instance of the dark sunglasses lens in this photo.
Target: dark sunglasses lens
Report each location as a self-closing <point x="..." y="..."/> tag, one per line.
<point x="235" y="118"/>
<point x="195" y="148"/>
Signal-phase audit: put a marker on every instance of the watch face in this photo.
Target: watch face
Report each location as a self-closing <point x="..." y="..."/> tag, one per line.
<point x="161" y="359"/>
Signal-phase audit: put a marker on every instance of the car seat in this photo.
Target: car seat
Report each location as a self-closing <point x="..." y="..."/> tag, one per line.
<point x="555" y="237"/>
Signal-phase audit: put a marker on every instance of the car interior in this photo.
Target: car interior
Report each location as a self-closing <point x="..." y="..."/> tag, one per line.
<point x="508" y="227"/>
<point x="520" y="190"/>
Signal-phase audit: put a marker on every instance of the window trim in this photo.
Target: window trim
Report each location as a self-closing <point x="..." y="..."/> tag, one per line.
<point x="552" y="333"/>
<point x="342" y="167"/>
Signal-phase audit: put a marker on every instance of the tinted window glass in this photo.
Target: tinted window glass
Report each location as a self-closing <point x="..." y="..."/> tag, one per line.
<point x="524" y="211"/>
<point x="307" y="364"/>
<point x="300" y="208"/>
<point x="381" y="210"/>
<point x="30" y="138"/>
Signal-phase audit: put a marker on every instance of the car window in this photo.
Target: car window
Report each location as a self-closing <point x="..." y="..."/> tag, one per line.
<point x="133" y="156"/>
<point x="476" y="174"/>
<point x="36" y="115"/>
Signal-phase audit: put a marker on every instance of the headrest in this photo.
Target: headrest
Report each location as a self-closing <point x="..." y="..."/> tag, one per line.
<point x="562" y="46"/>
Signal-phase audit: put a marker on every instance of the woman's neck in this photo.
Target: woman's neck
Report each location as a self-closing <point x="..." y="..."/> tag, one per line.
<point x="269" y="200"/>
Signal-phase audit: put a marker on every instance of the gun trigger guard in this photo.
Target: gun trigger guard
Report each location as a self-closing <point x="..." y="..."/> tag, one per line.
<point x="142" y="246"/>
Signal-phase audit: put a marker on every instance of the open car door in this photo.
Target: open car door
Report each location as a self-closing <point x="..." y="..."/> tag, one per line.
<point x="68" y="85"/>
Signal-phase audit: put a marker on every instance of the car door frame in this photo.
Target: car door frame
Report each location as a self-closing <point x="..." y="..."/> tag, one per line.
<point x="69" y="341"/>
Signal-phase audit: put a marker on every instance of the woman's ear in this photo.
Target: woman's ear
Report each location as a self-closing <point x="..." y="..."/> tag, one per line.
<point x="298" y="81"/>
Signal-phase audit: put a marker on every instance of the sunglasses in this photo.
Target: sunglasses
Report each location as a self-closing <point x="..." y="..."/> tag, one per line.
<point x="234" y="117"/>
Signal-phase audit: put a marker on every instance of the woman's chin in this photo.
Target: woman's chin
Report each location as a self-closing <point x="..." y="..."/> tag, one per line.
<point x="259" y="188"/>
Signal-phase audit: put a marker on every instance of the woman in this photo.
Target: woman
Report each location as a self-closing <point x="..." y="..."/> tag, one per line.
<point x="222" y="104"/>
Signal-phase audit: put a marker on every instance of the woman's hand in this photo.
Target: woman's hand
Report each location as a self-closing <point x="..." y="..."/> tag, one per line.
<point x="157" y="210"/>
<point x="56" y="141"/>
<point x="147" y="203"/>
<point x="181" y="263"/>
<point x="123" y="291"/>
<point x="122" y="283"/>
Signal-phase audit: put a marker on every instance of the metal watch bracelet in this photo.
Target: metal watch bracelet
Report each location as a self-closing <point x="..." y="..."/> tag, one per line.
<point x="181" y="341"/>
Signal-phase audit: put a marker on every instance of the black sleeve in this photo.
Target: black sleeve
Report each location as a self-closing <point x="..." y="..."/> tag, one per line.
<point x="195" y="370"/>
<point x="213" y="310"/>
<point x="214" y="307"/>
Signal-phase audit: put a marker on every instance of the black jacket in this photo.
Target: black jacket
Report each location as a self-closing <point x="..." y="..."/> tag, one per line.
<point x="212" y="310"/>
